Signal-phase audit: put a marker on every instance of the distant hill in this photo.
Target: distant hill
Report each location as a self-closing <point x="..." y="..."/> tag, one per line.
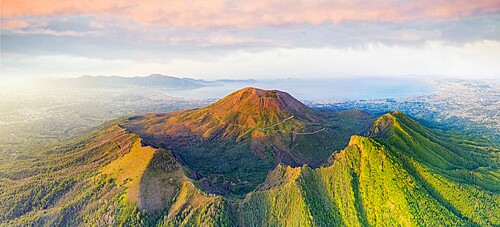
<point x="154" y="80"/>
<point x="257" y="158"/>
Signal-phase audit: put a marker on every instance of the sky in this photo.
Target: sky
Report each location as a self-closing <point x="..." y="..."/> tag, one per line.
<point x="258" y="39"/>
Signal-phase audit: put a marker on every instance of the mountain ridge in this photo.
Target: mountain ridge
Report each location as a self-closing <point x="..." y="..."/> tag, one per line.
<point x="150" y="81"/>
<point x="392" y="171"/>
<point x="409" y="190"/>
<point x="250" y="130"/>
<point x="248" y="109"/>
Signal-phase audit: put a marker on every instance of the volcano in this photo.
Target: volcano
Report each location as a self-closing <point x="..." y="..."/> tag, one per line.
<point x="248" y="131"/>
<point x="259" y="158"/>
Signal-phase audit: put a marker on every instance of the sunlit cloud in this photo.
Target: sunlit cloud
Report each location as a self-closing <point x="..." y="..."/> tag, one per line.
<point x="225" y="13"/>
<point x="154" y="37"/>
<point x="473" y="60"/>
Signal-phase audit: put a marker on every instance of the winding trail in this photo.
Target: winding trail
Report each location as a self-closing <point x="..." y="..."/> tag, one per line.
<point x="279" y="123"/>
<point x="309" y="133"/>
<point x="269" y="128"/>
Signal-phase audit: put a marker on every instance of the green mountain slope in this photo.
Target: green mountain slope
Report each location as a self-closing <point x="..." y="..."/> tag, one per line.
<point x="107" y="178"/>
<point x="143" y="171"/>
<point x="408" y="177"/>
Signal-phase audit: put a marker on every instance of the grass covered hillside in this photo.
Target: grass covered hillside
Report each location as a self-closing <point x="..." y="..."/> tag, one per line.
<point x="389" y="171"/>
<point x="410" y="176"/>
<point x="107" y="178"/>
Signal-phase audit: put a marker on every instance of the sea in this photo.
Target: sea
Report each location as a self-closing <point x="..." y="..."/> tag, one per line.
<point x="321" y="89"/>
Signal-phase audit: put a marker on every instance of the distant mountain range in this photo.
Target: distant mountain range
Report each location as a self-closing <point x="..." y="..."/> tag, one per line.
<point x="258" y="158"/>
<point x="154" y="80"/>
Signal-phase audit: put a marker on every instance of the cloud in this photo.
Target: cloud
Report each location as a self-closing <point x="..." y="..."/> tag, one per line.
<point x="14" y="24"/>
<point x="434" y="59"/>
<point x="257" y="24"/>
<point x="58" y="33"/>
<point x="22" y="23"/>
<point x="95" y="37"/>
<point x="171" y="34"/>
<point x="252" y="13"/>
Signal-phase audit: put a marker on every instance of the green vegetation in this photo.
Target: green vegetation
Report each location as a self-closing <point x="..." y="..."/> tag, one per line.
<point x="230" y="146"/>
<point x="399" y="174"/>
<point x="78" y="184"/>
<point x="409" y="177"/>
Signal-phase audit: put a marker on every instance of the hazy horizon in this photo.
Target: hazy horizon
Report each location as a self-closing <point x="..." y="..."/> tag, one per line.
<point x="259" y="78"/>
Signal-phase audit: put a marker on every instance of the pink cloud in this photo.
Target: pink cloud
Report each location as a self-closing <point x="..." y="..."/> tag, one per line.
<point x="15" y="24"/>
<point x="251" y="13"/>
<point x="12" y="24"/>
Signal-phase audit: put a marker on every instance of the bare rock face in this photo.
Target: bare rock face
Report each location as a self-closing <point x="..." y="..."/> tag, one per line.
<point x="383" y="127"/>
